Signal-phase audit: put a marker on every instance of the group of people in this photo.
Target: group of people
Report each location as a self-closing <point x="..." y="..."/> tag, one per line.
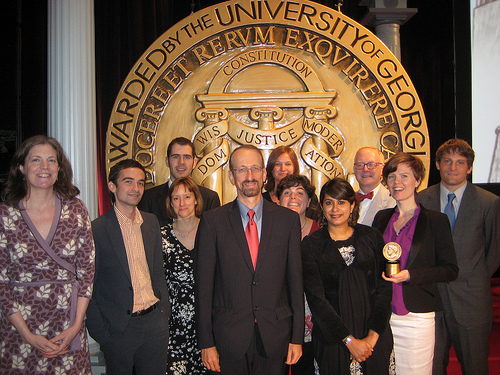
<point x="170" y="281"/>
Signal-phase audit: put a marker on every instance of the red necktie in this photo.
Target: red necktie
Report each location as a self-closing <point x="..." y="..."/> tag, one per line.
<point x="252" y="238"/>
<point x="361" y="197"/>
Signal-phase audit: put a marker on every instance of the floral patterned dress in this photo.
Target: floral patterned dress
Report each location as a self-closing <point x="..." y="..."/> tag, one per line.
<point x="184" y="357"/>
<point x="35" y="285"/>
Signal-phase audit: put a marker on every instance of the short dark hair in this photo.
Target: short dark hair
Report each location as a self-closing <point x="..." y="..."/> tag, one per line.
<point x="181" y="141"/>
<point x="416" y="165"/>
<point x="190" y="185"/>
<point x="115" y="170"/>
<point x="16" y="187"/>
<point x="457" y="146"/>
<point x="293" y="180"/>
<point x="340" y="189"/>
<point x="271" y="162"/>
<point x="245" y="147"/>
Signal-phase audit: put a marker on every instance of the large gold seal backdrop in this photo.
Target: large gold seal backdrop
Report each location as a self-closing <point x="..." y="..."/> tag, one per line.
<point x="268" y="73"/>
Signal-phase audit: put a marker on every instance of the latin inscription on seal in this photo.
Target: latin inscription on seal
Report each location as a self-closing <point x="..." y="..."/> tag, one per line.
<point x="269" y="73"/>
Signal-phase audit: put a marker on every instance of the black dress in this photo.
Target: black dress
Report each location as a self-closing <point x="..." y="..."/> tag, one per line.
<point x="184" y="357"/>
<point x="351" y="298"/>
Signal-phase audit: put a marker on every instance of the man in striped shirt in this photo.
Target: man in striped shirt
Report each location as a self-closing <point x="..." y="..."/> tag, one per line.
<point x="129" y="311"/>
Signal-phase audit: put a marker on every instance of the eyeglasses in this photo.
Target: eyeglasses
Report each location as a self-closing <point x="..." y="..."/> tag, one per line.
<point x="370" y="166"/>
<point x="244" y="170"/>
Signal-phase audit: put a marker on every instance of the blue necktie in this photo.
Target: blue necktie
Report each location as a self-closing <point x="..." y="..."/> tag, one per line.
<point x="450" y="211"/>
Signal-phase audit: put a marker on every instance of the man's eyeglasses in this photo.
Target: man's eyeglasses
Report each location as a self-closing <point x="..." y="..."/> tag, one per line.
<point x="370" y="166"/>
<point x="244" y="170"/>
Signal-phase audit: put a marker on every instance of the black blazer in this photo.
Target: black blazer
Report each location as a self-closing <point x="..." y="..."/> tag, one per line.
<point x="323" y="264"/>
<point x="112" y="300"/>
<point x="153" y="201"/>
<point x="432" y="259"/>
<point x="231" y="296"/>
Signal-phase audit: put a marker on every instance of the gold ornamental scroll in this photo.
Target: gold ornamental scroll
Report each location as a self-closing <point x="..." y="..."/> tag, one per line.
<point x="206" y="142"/>
<point x="269" y="73"/>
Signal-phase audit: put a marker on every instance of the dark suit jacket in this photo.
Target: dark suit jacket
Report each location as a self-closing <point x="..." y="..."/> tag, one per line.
<point x="153" y="201"/>
<point x="231" y="296"/>
<point x="432" y="259"/>
<point x="323" y="265"/>
<point x="112" y="300"/>
<point x="476" y="237"/>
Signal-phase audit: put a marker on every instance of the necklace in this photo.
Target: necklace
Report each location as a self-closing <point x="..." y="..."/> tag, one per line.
<point x="188" y="233"/>
<point x="303" y="225"/>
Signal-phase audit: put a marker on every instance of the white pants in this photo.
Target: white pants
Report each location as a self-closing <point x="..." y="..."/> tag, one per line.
<point x="414" y="337"/>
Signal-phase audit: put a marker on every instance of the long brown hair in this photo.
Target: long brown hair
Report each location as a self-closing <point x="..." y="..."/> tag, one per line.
<point x="16" y="187"/>
<point x="271" y="162"/>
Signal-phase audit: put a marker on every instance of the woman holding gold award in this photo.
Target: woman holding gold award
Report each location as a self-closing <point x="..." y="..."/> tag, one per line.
<point x="422" y="241"/>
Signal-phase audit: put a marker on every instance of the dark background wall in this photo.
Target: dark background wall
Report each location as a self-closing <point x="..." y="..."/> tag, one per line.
<point x="23" y="75"/>
<point x="435" y="52"/>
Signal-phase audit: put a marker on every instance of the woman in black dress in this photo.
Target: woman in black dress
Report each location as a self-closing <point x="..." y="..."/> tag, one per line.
<point x="349" y="300"/>
<point x="184" y="203"/>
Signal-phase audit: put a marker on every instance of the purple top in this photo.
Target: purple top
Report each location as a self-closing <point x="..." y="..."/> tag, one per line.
<point x="404" y="238"/>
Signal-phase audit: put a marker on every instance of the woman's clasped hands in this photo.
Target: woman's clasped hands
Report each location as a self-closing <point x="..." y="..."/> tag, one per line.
<point x="360" y="349"/>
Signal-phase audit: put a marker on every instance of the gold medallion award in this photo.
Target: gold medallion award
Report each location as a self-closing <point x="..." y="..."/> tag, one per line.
<point x="392" y="252"/>
<point x="267" y="73"/>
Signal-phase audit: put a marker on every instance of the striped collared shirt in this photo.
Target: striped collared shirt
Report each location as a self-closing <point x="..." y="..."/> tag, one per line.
<point x="144" y="296"/>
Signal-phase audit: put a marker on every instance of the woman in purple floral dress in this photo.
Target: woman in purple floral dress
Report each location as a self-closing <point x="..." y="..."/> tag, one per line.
<point x="46" y="265"/>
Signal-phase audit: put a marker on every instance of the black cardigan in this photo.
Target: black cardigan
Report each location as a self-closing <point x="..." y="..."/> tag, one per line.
<point x="322" y="265"/>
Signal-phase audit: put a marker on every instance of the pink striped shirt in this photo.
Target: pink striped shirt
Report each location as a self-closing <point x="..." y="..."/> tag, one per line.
<point x="144" y="296"/>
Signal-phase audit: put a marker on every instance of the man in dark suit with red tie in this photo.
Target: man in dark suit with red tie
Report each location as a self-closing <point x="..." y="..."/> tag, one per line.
<point x="249" y="293"/>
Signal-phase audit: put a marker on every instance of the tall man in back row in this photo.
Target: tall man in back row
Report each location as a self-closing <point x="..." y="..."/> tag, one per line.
<point x="249" y="291"/>
<point x="474" y="216"/>
<point x="181" y="161"/>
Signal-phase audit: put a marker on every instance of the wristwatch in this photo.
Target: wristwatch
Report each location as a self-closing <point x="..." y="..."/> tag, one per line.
<point x="346" y="340"/>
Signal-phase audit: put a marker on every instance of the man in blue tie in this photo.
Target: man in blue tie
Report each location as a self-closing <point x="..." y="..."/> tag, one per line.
<point x="474" y="216"/>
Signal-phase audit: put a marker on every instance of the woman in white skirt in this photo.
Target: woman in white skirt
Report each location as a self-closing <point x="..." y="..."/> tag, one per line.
<point x="427" y="257"/>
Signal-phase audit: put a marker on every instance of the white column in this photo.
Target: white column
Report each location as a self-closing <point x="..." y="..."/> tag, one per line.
<point x="71" y="91"/>
<point x="387" y="17"/>
<point x="388" y="32"/>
